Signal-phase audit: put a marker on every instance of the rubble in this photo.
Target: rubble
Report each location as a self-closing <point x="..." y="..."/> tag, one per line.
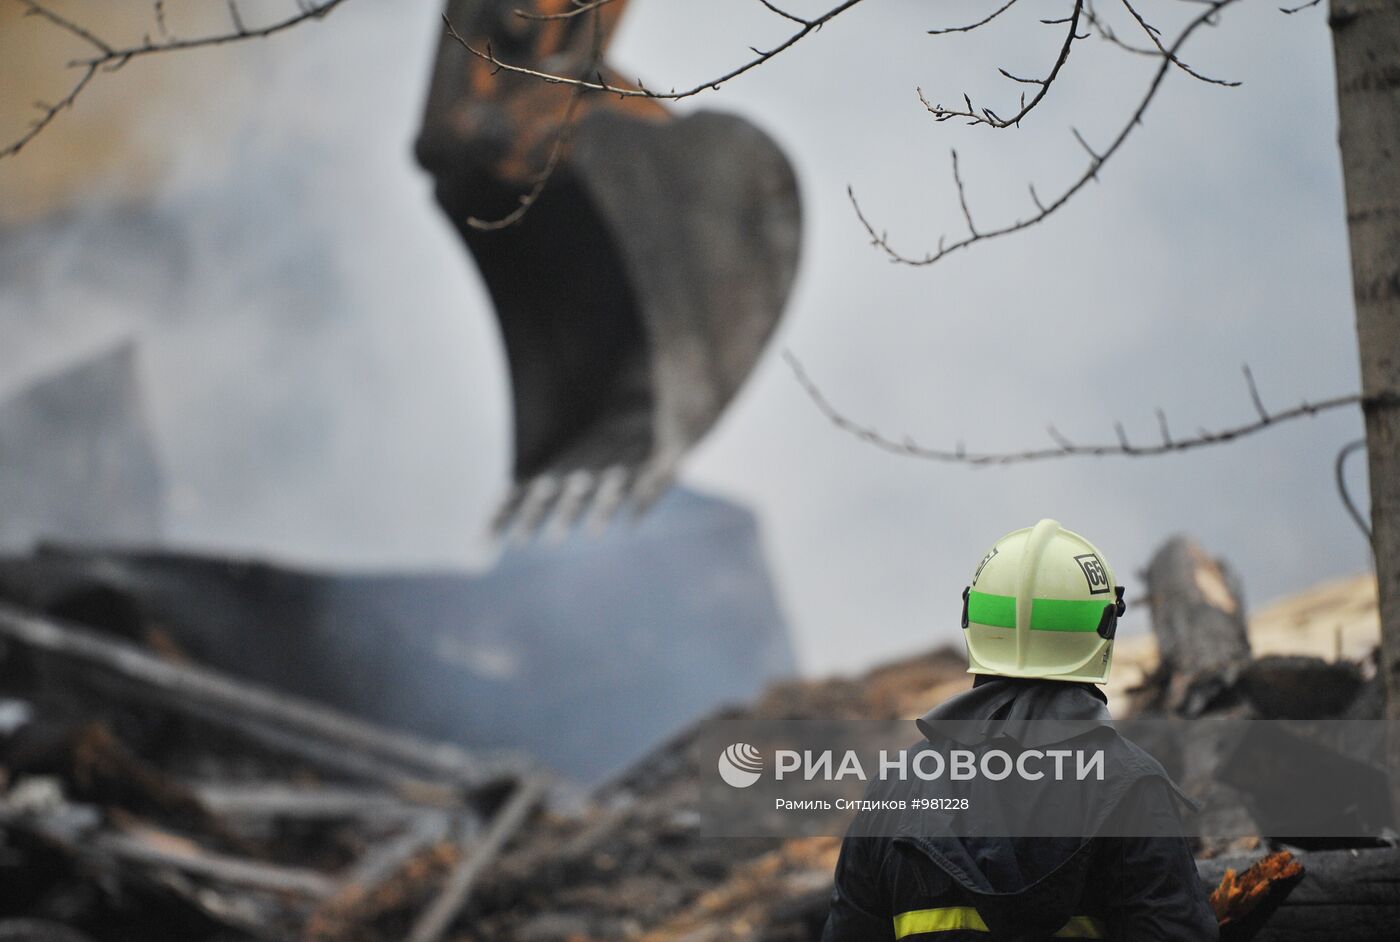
<point x="635" y="866"/>
<point x="156" y="799"/>
<point x="1244" y="902"/>
<point x="640" y="630"/>
<point x="145" y="796"/>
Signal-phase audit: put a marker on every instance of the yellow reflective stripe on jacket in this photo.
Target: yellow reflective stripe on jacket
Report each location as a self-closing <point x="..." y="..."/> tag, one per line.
<point x="950" y="918"/>
<point x="942" y="919"/>
<point x="1081" y="927"/>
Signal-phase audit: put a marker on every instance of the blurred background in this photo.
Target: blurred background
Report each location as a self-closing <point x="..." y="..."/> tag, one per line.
<point x="236" y="324"/>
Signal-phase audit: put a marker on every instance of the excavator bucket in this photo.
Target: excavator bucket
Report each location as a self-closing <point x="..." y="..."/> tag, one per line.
<point x="638" y="260"/>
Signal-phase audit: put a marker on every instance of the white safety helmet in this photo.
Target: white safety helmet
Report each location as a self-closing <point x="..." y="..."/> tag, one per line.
<point x="1043" y="603"/>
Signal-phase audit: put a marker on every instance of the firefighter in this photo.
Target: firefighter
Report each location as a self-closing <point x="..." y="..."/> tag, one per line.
<point x="1039" y="621"/>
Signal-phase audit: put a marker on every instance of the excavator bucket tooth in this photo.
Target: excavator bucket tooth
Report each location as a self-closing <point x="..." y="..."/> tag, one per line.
<point x="638" y="261"/>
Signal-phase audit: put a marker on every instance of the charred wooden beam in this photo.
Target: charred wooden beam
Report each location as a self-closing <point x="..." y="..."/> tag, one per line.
<point x="1344" y="896"/>
<point x="1198" y="617"/>
<point x="264" y="900"/>
<point x="397" y="876"/>
<point x="159" y="849"/>
<point x="478" y="855"/>
<point x="315" y="734"/>
<point x="305" y="802"/>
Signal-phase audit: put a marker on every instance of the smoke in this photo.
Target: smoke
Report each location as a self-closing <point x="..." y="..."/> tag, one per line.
<point x="324" y="377"/>
<point x="319" y="362"/>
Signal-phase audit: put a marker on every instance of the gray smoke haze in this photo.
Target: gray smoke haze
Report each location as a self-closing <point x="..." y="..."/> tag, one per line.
<point x="326" y="385"/>
<point x="285" y="283"/>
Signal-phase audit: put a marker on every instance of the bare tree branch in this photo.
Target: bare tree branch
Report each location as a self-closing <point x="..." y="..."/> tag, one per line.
<point x="1063" y="447"/>
<point x="971" y="26"/>
<point x="806" y="28"/>
<point x="580" y="7"/>
<point x="32" y="8"/>
<point x="1154" y="35"/>
<point x="1106" y="32"/>
<point x="567" y="124"/>
<point x="880" y="239"/>
<point x="109" y="57"/>
<point x="991" y="118"/>
<point x="49" y="112"/>
<point x="792" y="17"/>
<point x="1264" y="416"/>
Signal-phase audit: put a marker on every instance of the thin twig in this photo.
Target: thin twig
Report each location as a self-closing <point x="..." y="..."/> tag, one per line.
<point x="1152" y="34"/>
<point x="1043" y="210"/>
<point x="1264" y="416"/>
<point x="962" y="197"/>
<point x="49" y="113"/>
<point x="1107" y="34"/>
<point x="991" y="118"/>
<point x="971" y="26"/>
<point x="109" y="58"/>
<point x="556" y="152"/>
<point x="567" y="124"/>
<point x="641" y="91"/>
<point x="784" y="13"/>
<point x="1064" y="448"/>
<point x="579" y="8"/>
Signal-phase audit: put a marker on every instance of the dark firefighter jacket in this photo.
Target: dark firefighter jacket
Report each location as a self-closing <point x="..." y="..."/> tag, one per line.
<point x="973" y="886"/>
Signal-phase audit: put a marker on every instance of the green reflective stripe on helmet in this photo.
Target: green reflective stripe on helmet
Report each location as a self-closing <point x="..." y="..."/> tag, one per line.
<point x="1067" y="614"/>
<point x="999" y="611"/>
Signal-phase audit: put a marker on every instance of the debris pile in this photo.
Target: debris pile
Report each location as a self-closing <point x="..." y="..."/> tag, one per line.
<point x="149" y="798"/>
<point x="1309" y="656"/>
<point x="144" y="796"/>
<point x="635" y="866"/>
